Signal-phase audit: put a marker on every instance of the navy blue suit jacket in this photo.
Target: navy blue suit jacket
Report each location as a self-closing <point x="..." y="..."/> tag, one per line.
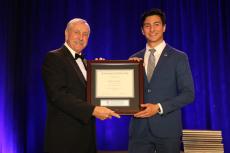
<point x="171" y="86"/>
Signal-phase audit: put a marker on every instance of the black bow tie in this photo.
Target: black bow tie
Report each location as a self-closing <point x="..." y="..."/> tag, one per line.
<point x="79" y="56"/>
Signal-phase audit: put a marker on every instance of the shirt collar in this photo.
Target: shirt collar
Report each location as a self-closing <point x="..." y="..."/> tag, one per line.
<point x="71" y="50"/>
<point x="159" y="48"/>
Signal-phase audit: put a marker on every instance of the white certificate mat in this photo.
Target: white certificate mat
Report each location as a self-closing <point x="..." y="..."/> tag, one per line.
<point x="115" y="102"/>
<point x="114" y="83"/>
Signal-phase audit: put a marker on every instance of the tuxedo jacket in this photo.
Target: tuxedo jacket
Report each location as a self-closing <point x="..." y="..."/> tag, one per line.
<point x="172" y="86"/>
<point x="70" y="127"/>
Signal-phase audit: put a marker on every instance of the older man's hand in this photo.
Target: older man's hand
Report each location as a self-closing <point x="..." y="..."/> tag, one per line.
<point x="103" y="113"/>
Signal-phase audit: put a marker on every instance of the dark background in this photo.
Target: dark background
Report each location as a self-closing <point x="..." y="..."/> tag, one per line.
<point x="30" y="28"/>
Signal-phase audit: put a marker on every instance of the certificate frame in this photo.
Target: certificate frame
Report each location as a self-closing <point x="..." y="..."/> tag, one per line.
<point x="111" y="75"/>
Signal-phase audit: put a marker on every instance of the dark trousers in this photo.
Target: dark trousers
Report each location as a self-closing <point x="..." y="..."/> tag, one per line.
<point x="146" y="142"/>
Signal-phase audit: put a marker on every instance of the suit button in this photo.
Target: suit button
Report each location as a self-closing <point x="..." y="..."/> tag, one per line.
<point x="149" y="90"/>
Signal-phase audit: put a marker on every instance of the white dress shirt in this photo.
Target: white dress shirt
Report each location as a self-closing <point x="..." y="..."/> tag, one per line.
<point x="159" y="49"/>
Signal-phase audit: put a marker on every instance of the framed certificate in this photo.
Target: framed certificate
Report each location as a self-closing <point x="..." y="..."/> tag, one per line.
<point x="116" y="84"/>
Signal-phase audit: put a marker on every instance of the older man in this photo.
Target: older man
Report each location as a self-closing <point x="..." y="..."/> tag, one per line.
<point x="70" y="119"/>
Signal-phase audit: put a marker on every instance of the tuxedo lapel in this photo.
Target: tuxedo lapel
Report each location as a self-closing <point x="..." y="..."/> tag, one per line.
<point x="73" y="63"/>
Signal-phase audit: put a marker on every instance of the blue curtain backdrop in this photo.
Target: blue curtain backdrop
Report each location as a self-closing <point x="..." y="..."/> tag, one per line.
<point x="30" y="28"/>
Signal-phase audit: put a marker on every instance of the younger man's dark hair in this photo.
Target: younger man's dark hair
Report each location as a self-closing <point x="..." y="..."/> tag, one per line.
<point x="151" y="12"/>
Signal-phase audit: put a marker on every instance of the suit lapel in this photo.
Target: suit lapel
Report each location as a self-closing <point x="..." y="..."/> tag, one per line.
<point x="142" y="55"/>
<point x="73" y="63"/>
<point x="162" y="60"/>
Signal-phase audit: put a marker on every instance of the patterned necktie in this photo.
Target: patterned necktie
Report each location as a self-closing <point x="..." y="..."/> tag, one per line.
<point x="151" y="64"/>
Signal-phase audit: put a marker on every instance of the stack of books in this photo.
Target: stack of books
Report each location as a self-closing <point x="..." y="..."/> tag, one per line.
<point x="202" y="141"/>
